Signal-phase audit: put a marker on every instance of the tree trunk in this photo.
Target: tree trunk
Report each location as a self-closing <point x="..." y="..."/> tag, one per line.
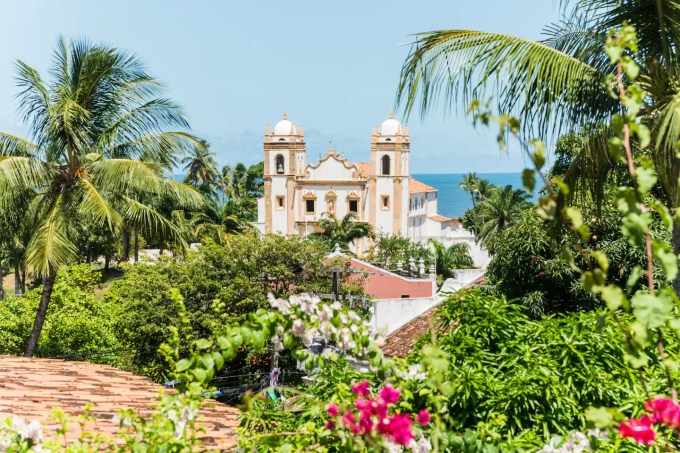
<point x="17" y="280"/>
<point x="126" y="245"/>
<point x="2" y="287"/>
<point x="48" y="285"/>
<point x="136" y="245"/>
<point x="23" y="280"/>
<point x="107" y="261"/>
<point x="676" y="250"/>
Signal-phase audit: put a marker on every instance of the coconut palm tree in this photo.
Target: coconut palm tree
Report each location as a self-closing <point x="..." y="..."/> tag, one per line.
<point x="501" y="210"/>
<point x="557" y="84"/>
<point x="342" y="232"/>
<point x="469" y="184"/>
<point x="99" y="142"/>
<point x="201" y="167"/>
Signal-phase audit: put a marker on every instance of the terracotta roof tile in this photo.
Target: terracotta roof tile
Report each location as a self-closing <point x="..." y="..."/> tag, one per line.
<point x="440" y="218"/>
<point x="31" y="388"/>
<point x="415" y="186"/>
<point x="364" y="169"/>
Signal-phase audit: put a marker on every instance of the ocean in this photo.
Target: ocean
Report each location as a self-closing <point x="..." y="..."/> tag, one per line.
<point x="454" y="201"/>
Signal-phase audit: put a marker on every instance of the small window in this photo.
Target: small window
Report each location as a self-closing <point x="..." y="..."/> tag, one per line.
<point x="280" y="203"/>
<point x="386" y="165"/>
<point x="385" y="202"/>
<point x="310" y="207"/>
<point x="354" y="206"/>
<point x="279" y="164"/>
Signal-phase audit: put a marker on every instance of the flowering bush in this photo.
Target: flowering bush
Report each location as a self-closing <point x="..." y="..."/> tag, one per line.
<point x="375" y="419"/>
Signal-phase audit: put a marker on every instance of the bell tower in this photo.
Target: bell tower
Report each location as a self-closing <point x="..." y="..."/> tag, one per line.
<point x="285" y="158"/>
<point x="389" y="185"/>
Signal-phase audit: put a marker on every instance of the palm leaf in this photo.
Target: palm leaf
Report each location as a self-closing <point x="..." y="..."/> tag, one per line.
<point x="549" y="89"/>
<point x="11" y="145"/>
<point x="150" y="220"/>
<point x="21" y="173"/>
<point x="50" y="246"/>
<point x="92" y="203"/>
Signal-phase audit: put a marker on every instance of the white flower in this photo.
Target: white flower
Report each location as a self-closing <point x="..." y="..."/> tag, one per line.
<point x="309" y="304"/>
<point x="298" y="328"/>
<point x="277" y="344"/>
<point x="5" y="442"/>
<point x="392" y="447"/>
<point x="33" y="431"/>
<point x="325" y="313"/>
<point x="308" y="337"/>
<point x="354" y="317"/>
<point x="353" y="328"/>
<point x="336" y="306"/>
<point x="414" y="373"/>
<point x="327" y="353"/>
<point x="422" y="446"/>
<point x="344" y="318"/>
<point x="281" y="305"/>
<point x="327" y="329"/>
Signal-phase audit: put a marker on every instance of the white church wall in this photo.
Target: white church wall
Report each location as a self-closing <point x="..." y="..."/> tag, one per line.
<point x="390" y="314"/>
<point x="331" y="170"/>
<point x="384" y="217"/>
<point x="280" y="216"/>
<point x="431" y="200"/>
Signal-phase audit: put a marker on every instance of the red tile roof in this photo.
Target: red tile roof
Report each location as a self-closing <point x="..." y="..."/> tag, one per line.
<point x="415" y="186"/>
<point x="364" y="169"/>
<point x="31" y="388"/>
<point x="440" y="218"/>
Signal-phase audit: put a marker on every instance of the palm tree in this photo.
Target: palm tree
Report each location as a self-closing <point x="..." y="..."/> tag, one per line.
<point x="483" y="189"/>
<point x="501" y="210"/>
<point x="469" y="184"/>
<point x="342" y="232"/>
<point x="557" y="85"/>
<point x="448" y="259"/>
<point x="98" y="144"/>
<point x="200" y="166"/>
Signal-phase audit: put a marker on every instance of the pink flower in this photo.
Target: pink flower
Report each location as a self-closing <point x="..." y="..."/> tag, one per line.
<point x="423" y="417"/>
<point x="389" y="394"/>
<point x="361" y="404"/>
<point x="378" y="408"/>
<point x="348" y="419"/>
<point x="665" y="411"/>
<point x="400" y="429"/>
<point x="362" y="389"/>
<point x="332" y="410"/>
<point x="330" y="425"/>
<point x="639" y="429"/>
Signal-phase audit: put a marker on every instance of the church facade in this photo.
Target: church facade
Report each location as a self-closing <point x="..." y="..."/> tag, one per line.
<point x="379" y="191"/>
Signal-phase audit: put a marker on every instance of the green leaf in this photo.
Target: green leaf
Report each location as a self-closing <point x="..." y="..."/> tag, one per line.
<point x="614" y="297"/>
<point x="646" y="178"/>
<point x="652" y="310"/>
<point x="602" y="417"/>
<point x="529" y="179"/>
<point x="203" y="343"/>
<point x="184" y="365"/>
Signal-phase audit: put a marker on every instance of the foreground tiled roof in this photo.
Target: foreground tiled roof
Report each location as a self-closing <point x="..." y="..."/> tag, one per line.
<point x="30" y="388"/>
<point x="400" y="343"/>
<point x="415" y="186"/>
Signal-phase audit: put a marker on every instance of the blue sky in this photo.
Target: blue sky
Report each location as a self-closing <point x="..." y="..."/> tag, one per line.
<point x="234" y="66"/>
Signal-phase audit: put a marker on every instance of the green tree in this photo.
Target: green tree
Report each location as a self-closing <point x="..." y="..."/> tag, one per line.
<point x="342" y="232"/>
<point x="469" y="184"/>
<point x="501" y="210"/>
<point x="99" y="144"/>
<point x="455" y="256"/>
<point x="556" y="85"/>
<point x="201" y="167"/>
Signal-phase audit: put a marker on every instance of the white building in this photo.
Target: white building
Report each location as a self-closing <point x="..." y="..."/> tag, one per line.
<point x="380" y="191"/>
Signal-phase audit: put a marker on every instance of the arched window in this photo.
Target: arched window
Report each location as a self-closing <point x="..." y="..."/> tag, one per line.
<point x="386" y="165"/>
<point x="279" y="164"/>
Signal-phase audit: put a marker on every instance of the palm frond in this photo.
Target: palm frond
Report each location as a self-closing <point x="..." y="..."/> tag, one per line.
<point x="91" y="203"/>
<point x="50" y="246"/>
<point x="151" y="221"/>
<point x="21" y="173"/>
<point x="123" y="176"/>
<point x="12" y="145"/>
<point x="549" y="89"/>
<point x="161" y="147"/>
<point x="666" y="129"/>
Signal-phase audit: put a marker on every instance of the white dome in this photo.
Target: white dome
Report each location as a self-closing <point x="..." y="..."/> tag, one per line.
<point x="284" y="127"/>
<point x="390" y="126"/>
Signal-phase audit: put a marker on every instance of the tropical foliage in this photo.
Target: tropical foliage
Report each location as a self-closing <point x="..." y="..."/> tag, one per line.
<point x="101" y="142"/>
<point x="341" y="232"/>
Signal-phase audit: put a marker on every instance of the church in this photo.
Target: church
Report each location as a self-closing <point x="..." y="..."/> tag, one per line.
<point x="380" y="191"/>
